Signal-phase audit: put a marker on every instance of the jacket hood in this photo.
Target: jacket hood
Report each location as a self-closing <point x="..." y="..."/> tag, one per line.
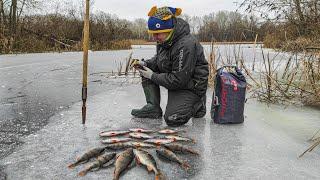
<point x="181" y="29"/>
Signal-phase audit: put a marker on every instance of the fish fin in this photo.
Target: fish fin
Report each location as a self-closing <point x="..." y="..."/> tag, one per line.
<point x="115" y="176"/>
<point x="159" y="176"/>
<point x="108" y="164"/>
<point x="117" y="156"/>
<point x="185" y="166"/>
<point x="194" y="152"/>
<point x="70" y="166"/>
<point x="138" y="160"/>
<point x="83" y="173"/>
<point x="95" y="169"/>
<point x="149" y="168"/>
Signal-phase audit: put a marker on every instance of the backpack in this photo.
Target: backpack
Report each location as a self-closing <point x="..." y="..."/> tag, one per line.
<point x="228" y="96"/>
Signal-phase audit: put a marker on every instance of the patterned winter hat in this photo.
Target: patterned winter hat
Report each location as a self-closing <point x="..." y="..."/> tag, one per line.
<point x="160" y="19"/>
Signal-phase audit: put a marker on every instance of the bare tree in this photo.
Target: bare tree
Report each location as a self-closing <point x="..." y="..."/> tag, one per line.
<point x="301" y="13"/>
<point x="13" y="17"/>
<point x="1" y="14"/>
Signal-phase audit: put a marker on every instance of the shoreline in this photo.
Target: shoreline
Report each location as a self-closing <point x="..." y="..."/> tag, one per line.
<point x="204" y="43"/>
<point x="133" y="44"/>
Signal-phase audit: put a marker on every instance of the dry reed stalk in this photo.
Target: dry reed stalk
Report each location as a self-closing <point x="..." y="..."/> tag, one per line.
<point x="311" y="139"/>
<point x="212" y="64"/>
<point x="248" y="73"/>
<point x="290" y="80"/>
<point x="127" y="68"/>
<point x="267" y="68"/>
<point x="311" y="148"/>
<point x="120" y="68"/>
<point x="254" y="52"/>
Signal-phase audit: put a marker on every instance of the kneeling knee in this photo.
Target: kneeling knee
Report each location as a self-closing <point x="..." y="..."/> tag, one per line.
<point x="176" y="119"/>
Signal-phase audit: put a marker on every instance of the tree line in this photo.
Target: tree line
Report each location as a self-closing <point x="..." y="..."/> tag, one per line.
<point x="62" y="29"/>
<point x="295" y="24"/>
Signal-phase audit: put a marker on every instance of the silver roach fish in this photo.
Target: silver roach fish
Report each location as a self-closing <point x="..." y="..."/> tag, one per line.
<point x="170" y="131"/>
<point x="115" y="140"/>
<point x="180" y="138"/>
<point x="112" y="133"/>
<point x="142" y="145"/>
<point x="101" y="161"/>
<point x="159" y="141"/>
<point x="87" y="156"/>
<point x="141" y="130"/>
<point x="140" y="135"/>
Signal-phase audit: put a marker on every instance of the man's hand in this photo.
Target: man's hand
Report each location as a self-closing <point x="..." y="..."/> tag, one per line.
<point x="146" y="72"/>
<point x="137" y="64"/>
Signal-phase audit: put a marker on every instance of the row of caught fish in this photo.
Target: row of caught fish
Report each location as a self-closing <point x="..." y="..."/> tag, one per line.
<point x="174" y="147"/>
<point x="137" y="130"/>
<point x="140" y="133"/>
<point x="149" y="139"/>
<point x="124" y="159"/>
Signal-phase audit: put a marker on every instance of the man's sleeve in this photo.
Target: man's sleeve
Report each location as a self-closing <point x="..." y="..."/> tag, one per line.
<point x="152" y="63"/>
<point x="184" y="61"/>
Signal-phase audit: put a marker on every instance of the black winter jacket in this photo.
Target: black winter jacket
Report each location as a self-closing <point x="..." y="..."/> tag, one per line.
<point x="180" y="63"/>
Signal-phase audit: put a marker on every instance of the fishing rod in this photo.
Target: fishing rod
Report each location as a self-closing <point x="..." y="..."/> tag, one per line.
<point x="85" y="62"/>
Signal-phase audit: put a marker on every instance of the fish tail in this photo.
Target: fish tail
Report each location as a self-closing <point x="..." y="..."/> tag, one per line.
<point x="159" y="176"/>
<point x="83" y="173"/>
<point x="70" y="166"/>
<point x="116" y="178"/>
<point x="115" y="175"/>
<point x="194" y="152"/>
<point x="185" y="165"/>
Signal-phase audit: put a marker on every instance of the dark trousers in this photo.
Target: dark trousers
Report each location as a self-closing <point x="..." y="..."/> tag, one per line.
<point x="182" y="105"/>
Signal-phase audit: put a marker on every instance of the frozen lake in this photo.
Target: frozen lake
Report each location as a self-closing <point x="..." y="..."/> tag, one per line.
<point x="266" y="146"/>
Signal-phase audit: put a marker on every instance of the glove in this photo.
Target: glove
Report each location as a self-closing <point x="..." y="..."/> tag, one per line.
<point x="146" y="72"/>
<point x="138" y="64"/>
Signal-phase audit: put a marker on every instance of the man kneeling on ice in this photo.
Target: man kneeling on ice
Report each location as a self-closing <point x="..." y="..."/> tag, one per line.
<point x="179" y="65"/>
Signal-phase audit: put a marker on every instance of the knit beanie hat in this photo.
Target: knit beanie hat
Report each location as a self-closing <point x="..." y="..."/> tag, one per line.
<point x="161" y="19"/>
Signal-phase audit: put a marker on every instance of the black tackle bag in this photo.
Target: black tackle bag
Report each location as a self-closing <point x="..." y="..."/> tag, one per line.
<point x="228" y="96"/>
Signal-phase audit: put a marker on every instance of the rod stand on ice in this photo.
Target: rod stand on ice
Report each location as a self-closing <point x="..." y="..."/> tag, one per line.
<point x="85" y="62"/>
<point x="84" y="107"/>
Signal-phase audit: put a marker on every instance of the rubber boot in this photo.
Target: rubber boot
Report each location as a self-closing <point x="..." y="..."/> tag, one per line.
<point x="152" y="109"/>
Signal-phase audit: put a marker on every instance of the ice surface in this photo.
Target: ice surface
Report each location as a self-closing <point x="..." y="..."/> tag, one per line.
<point x="266" y="146"/>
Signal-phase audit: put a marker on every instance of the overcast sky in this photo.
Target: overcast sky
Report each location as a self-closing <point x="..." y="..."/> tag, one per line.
<point x="133" y="9"/>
